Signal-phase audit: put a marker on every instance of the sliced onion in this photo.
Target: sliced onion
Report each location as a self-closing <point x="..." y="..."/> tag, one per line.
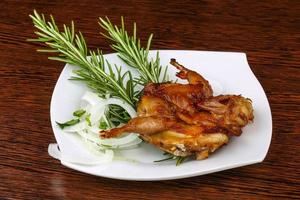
<point x="76" y="128"/>
<point x="123" y="104"/>
<point x="89" y="137"/>
<point x="130" y="145"/>
<point x="90" y="98"/>
<point x="53" y="151"/>
<point x="121" y="141"/>
<point x="96" y="113"/>
<point x="96" y="108"/>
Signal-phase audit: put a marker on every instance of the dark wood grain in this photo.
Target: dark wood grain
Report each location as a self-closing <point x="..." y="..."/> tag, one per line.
<point x="268" y="31"/>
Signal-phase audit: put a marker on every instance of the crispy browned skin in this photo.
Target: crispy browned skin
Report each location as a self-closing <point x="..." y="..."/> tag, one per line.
<point x="186" y="119"/>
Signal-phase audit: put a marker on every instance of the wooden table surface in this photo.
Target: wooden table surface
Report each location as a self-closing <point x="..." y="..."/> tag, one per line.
<point x="268" y="31"/>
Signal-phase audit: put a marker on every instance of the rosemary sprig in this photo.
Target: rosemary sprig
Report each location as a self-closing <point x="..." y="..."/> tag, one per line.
<point x="71" y="48"/>
<point x="179" y="159"/>
<point x="130" y="51"/>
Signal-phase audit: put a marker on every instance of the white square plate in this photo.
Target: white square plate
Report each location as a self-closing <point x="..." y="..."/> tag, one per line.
<point x="229" y="73"/>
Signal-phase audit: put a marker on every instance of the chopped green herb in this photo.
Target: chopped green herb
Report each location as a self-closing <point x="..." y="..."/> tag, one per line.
<point x="88" y="119"/>
<point x="68" y="123"/>
<point x="79" y="113"/>
<point x="103" y="125"/>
